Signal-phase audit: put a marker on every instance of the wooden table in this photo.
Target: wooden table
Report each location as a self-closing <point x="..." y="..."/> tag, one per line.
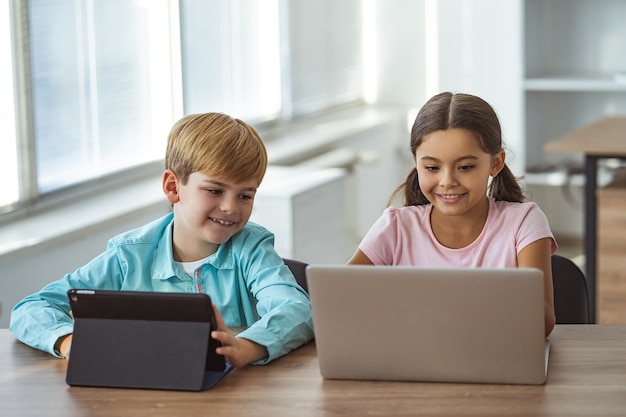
<point x="586" y="377"/>
<point x="605" y="138"/>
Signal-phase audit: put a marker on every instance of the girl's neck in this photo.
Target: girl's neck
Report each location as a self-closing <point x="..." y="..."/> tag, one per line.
<point x="456" y="232"/>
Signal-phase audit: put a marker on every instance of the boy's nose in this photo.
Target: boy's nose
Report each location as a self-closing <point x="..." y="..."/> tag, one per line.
<point x="229" y="205"/>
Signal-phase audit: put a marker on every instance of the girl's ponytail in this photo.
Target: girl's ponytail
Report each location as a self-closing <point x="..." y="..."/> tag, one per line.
<point x="505" y="187"/>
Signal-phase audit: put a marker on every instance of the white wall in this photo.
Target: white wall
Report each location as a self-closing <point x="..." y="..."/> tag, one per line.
<point x="480" y="52"/>
<point x="400" y="54"/>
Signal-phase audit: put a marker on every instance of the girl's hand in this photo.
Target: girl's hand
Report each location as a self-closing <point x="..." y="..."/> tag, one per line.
<point x="238" y="351"/>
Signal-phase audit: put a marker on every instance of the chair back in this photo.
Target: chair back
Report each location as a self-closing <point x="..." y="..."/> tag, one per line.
<point x="571" y="302"/>
<point x="298" y="270"/>
<point x="571" y="299"/>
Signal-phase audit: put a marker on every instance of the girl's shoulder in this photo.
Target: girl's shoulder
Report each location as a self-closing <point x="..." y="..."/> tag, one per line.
<point x="513" y="210"/>
<point x="407" y="210"/>
<point x="403" y="214"/>
<point x="511" y="206"/>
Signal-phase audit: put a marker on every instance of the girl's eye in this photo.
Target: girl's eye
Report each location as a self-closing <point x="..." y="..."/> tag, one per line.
<point x="431" y="168"/>
<point x="466" y="167"/>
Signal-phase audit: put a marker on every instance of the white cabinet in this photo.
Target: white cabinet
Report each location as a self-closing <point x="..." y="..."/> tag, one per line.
<point x="307" y="210"/>
<point x="574" y="72"/>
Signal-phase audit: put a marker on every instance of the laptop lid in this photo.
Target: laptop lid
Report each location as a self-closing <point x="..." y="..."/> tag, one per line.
<point x="134" y="339"/>
<point x="422" y="324"/>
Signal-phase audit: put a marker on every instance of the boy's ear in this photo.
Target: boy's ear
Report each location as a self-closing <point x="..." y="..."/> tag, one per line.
<point x="498" y="163"/>
<point x="170" y="186"/>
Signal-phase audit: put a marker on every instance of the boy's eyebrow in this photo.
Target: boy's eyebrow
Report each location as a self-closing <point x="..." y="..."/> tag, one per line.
<point x="461" y="158"/>
<point x="225" y="185"/>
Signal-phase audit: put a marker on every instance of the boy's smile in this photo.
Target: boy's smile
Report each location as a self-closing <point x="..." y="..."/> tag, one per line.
<point x="208" y="211"/>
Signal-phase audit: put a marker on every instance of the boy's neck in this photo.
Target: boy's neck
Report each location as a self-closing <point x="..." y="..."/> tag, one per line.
<point x="187" y="254"/>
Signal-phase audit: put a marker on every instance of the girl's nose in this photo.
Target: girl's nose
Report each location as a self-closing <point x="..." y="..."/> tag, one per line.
<point x="447" y="178"/>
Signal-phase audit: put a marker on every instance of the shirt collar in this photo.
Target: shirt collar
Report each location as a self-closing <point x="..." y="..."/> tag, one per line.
<point x="166" y="268"/>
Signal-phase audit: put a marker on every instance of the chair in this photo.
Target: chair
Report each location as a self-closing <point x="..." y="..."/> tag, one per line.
<point x="571" y="300"/>
<point x="298" y="270"/>
<point x="571" y="303"/>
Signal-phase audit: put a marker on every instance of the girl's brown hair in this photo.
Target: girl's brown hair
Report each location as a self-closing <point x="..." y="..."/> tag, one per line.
<point x="462" y="111"/>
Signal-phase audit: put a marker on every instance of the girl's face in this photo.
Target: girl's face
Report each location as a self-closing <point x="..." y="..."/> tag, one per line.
<point x="454" y="171"/>
<point x="208" y="212"/>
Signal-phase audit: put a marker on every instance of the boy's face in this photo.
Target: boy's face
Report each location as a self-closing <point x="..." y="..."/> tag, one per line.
<point x="208" y="211"/>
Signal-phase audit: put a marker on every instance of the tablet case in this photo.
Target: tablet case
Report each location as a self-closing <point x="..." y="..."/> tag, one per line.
<point x="149" y="340"/>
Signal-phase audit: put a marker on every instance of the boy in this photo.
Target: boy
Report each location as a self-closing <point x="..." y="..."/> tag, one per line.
<point x="213" y="167"/>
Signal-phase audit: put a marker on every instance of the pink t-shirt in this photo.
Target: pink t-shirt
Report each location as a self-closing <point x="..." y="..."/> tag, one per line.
<point x="403" y="236"/>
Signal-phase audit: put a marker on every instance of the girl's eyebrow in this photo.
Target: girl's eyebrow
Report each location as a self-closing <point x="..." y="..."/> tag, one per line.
<point x="461" y="158"/>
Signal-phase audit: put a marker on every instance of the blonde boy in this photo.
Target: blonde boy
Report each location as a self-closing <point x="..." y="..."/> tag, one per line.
<point x="214" y="165"/>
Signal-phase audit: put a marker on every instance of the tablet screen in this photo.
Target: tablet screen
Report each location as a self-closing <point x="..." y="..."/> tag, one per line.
<point x="151" y="306"/>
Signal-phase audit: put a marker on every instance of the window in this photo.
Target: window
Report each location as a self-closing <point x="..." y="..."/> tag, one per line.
<point x="231" y="57"/>
<point x="325" y="54"/>
<point x="98" y="84"/>
<point x="103" y="86"/>
<point x="8" y="151"/>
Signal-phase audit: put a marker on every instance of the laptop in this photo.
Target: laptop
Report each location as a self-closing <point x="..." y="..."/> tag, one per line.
<point x="150" y="340"/>
<point x="470" y="325"/>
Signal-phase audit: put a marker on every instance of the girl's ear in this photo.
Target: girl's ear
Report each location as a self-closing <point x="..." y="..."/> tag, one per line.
<point x="170" y="186"/>
<point x="498" y="163"/>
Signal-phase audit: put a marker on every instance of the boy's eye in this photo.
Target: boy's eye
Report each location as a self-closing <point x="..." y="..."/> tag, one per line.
<point x="247" y="197"/>
<point x="214" y="192"/>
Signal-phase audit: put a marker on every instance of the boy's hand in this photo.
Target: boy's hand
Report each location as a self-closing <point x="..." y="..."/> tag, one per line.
<point x="238" y="351"/>
<point x="63" y="345"/>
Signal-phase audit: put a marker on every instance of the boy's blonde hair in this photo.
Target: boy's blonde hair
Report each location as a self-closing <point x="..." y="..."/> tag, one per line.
<point x="216" y="145"/>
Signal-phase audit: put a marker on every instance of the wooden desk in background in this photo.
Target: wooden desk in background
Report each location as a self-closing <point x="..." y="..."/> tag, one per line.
<point x="586" y="377"/>
<point x="603" y="139"/>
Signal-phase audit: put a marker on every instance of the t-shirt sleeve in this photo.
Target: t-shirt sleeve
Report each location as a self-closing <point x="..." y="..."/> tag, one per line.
<point x="378" y="244"/>
<point x="534" y="226"/>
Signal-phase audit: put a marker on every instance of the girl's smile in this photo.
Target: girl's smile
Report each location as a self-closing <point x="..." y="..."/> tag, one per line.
<point x="450" y="198"/>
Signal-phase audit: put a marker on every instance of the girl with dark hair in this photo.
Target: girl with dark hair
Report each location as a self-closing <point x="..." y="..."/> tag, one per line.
<point x="462" y="206"/>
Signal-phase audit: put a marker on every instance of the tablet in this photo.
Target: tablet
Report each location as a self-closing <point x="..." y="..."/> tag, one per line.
<point x="163" y="337"/>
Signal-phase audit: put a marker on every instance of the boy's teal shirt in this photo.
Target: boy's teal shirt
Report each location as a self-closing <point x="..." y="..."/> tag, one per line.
<point x="245" y="278"/>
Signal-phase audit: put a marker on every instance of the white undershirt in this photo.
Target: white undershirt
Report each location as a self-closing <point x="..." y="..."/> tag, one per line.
<point x="190" y="267"/>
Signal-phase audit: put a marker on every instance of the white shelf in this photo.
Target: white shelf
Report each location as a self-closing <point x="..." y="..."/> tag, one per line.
<point x="575" y="73"/>
<point x="556" y="178"/>
<point x="575" y="84"/>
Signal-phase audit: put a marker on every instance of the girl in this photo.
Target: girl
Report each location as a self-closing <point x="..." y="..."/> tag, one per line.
<point x="453" y="215"/>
